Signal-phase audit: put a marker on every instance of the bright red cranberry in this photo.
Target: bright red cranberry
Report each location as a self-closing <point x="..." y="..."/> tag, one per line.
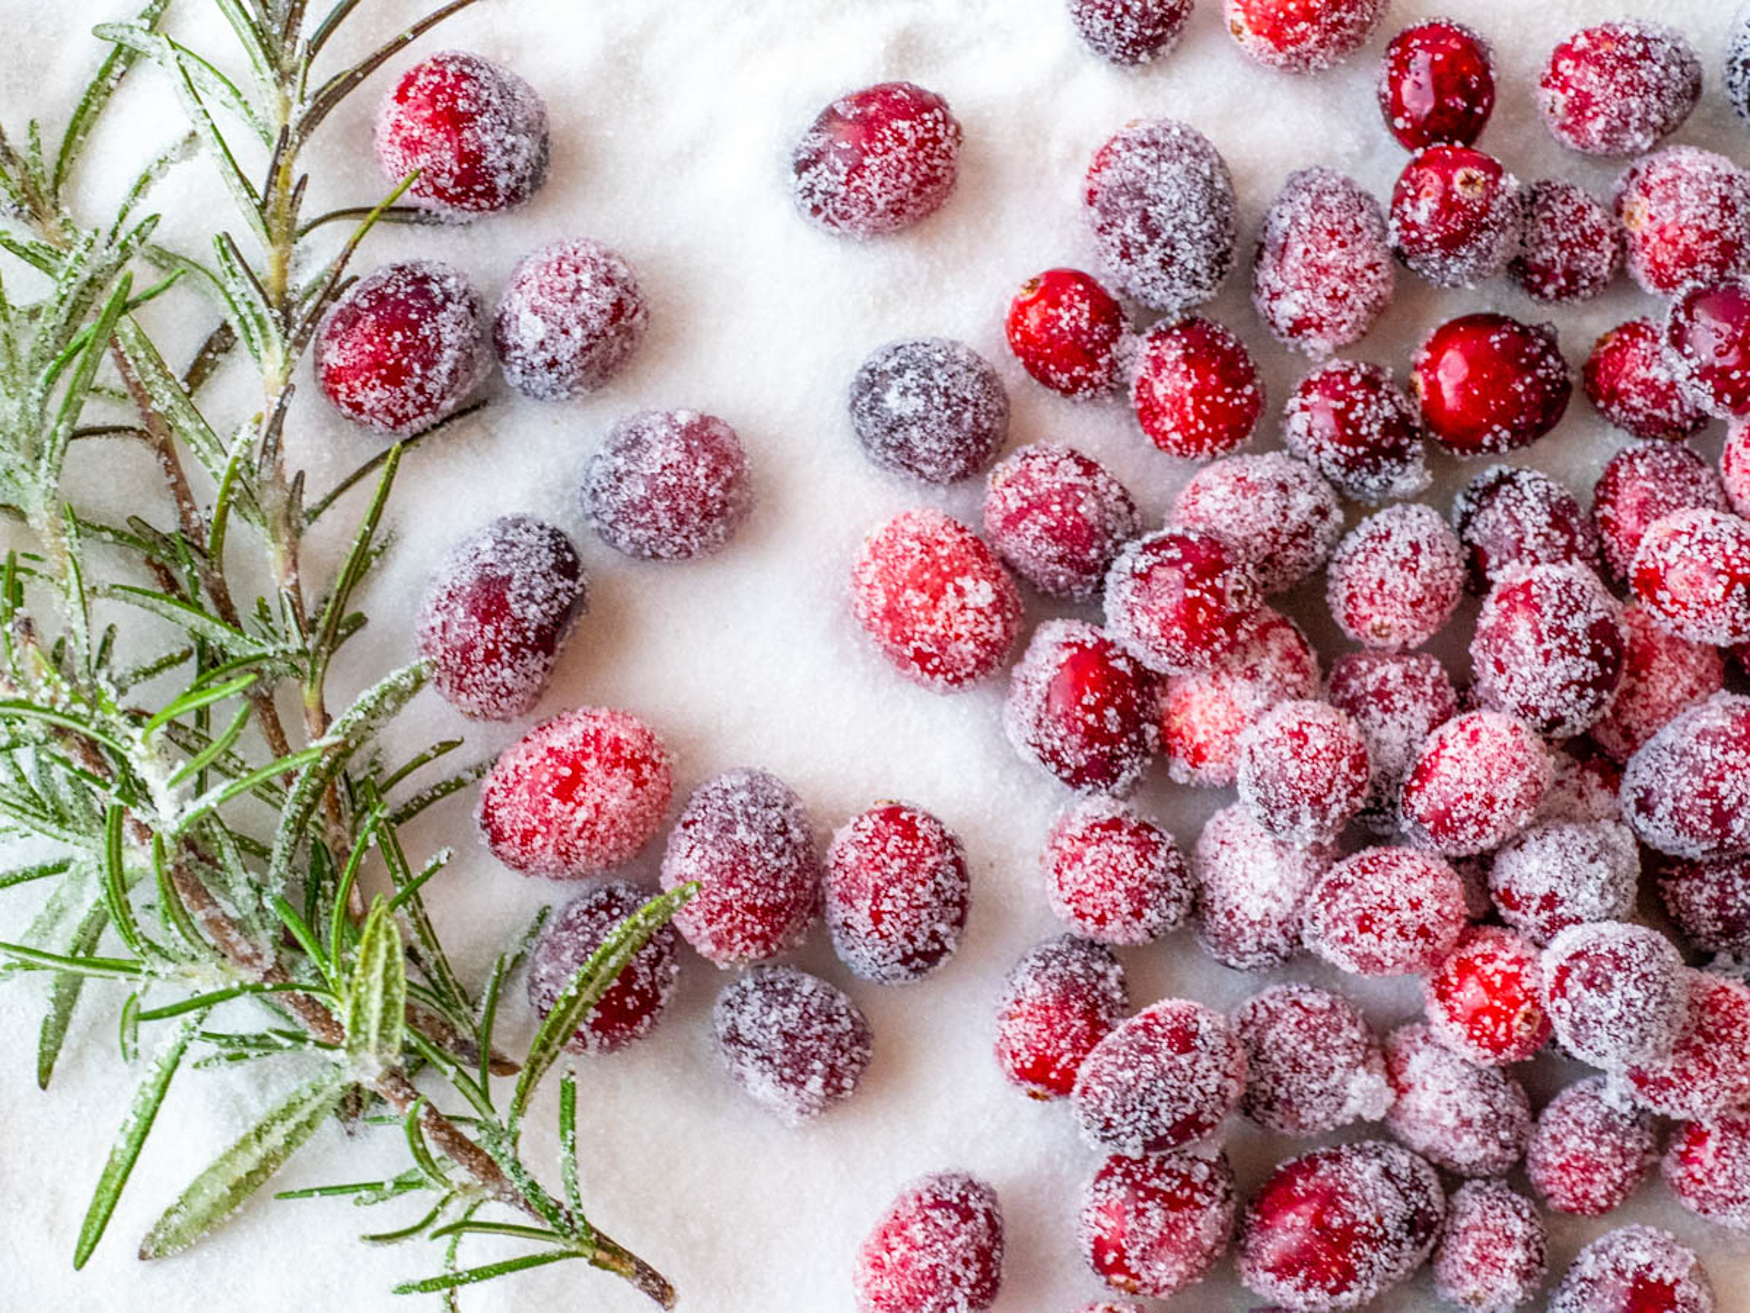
<point x="1067" y="330"/>
<point x="1488" y="384"/>
<point x="1510" y="516"/>
<point x="937" y="1249"/>
<point x="1484" y="1000"/>
<point x="794" y="1043"/>
<point x="1181" y="600"/>
<point x="1686" y="791"/>
<point x="1082" y="708"/>
<point x="1631" y="384"/>
<point x="1303" y="771"/>
<point x="1302" y="36"/>
<point x="1163" y="1079"/>
<point x="1615" y="992"/>
<point x="1590" y="1150"/>
<point x="1686" y="219"/>
<point x="1385" y="912"/>
<point x="575" y="795"/>
<point x="1662" y="675"/>
<point x="1565" y="873"/>
<point x="937" y="603"/>
<point x="1277" y="510"/>
<point x="1130" y="32"/>
<point x="639" y="995"/>
<point x="1160" y="204"/>
<point x="1470" y="1119"/>
<point x="1615" y="89"/>
<point x="1549" y="648"/>
<point x="1353" y="425"/>
<point x="1644" y="483"/>
<point x="1340" y="1226"/>
<point x="570" y="319"/>
<point x="1707" y="338"/>
<point x="1322" y="271"/>
<point x="1474" y="783"/>
<point x="1709" y="903"/>
<point x="929" y="408"/>
<point x="1707" y="1071"/>
<point x="1584" y="788"/>
<point x="1196" y="391"/>
<point x="1061" y="999"/>
<point x="1456" y="215"/>
<point x="1494" y="1248"/>
<point x="1250" y="889"/>
<point x="877" y="160"/>
<point x="1396" y="700"/>
<point x="1155" y="1225"/>
<point x="1692" y="573"/>
<point x="1312" y="1061"/>
<point x="477" y="134"/>
<point x="1707" y="1166"/>
<point x="1058" y="518"/>
<point x="1735" y="466"/>
<point x="668" y="485"/>
<point x="1572" y="246"/>
<point x="1437" y="85"/>
<point x="1395" y="579"/>
<point x="402" y="348"/>
<point x="896" y="893"/>
<point x="745" y="839"/>
<point x="1114" y="876"/>
<point x="1631" y="1269"/>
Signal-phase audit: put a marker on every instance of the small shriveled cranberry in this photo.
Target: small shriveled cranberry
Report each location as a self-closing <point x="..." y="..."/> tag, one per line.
<point x="1196" y="390"/>
<point x="1686" y="219"/>
<point x="1396" y="699"/>
<point x="1488" y="384"/>
<point x="1058" y="518"/>
<point x="1485" y="999"/>
<point x="1692" y="573"/>
<point x="1066" y="330"/>
<point x="1590" y="1150"/>
<point x="1303" y="771"/>
<point x="1082" y="707"/>
<point x="1114" y="876"/>
<point x="1130" y="32"/>
<point x="1709" y="903"/>
<point x="1644" y="483"/>
<point x="937" y="1249"/>
<point x="1395" y="579"/>
<point x="636" y="1000"/>
<point x="1322" y="271"/>
<point x="1437" y="85"/>
<point x="1564" y="873"/>
<point x="1469" y="1119"/>
<point x="1494" y="1248"/>
<point x="1510" y="516"/>
<point x="1615" y="89"/>
<point x="896" y="893"/>
<point x="1353" y="425"/>
<point x="1157" y="1224"/>
<point x="1474" y="783"/>
<point x="668" y="485"/>
<point x="1630" y="383"/>
<point x="1385" y="912"/>
<point x="877" y="160"/>
<point x="1615" y="992"/>
<point x="1250" y="890"/>
<point x="1572" y="246"/>
<point x="1707" y="1071"/>
<point x="1457" y="215"/>
<point x="1060" y="1000"/>
<point x="1631" y="1269"/>
<point x="1312" y="1061"/>
<point x="571" y="317"/>
<point x="1180" y="600"/>
<point x="1163" y="1079"/>
<point x="1549" y="648"/>
<point x="1707" y="1166"/>
<point x="929" y="408"/>
<point x="1282" y="516"/>
<point x="1707" y="339"/>
<point x="1662" y="675"/>
<point x="1302" y="36"/>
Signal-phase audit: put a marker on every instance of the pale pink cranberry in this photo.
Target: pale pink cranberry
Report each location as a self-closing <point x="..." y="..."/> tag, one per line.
<point x="1395" y="579"/>
<point x="1572" y="247"/>
<point x="1565" y="873"/>
<point x="1385" y="912"/>
<point x="1278" y="511"/>
<point x="1156" y="1225"/>
<point x="1469" y="1119"/>
<point x="1634" y="1268"/>
<point x="1686" y="218"/>
<point x="1485" y="998"/>
<point x="1662" y="675"/>
<point x="1082" y="708"/>
<point x="1250" y="890"/>
<point x="1322" y="271"/>
<point x="1686" y="791"/>
<point x="1735" y="466"/>
<point x="1615" y="992"/>
<point x="937" y="1249"/>
<point x="1303" y="771"/>
<point x="1707" y="1166"/>
<point x="1549" y="648"/>
<point x="1396" y="700"/>
<point x="1707" y="1071"/>
<point x="1615" y="89"/>
<point x="1312" y="1061"/>
<point x="1058" y="518"/>
<point x="1494" y="1248"/>
<point x="1457" y="215"/>
<point x="1475" y="782"/>
<point x="1632" y="384"/>
<point x="1181" y="600"/>
<point x="1060" y="1000"/>
<point x="1643" y="483"/>
<point x="1510" y="516"/>
<point x="1114" y="876"/>
<point x="1353" y="425"/>
<point x="877" y="160"/>
<point x="1302" y="36"/>
<point x="1166" y="1078"/>
<point x="1195" y="389"/>
<point x="572" y="316"/>
<point x="1590" y="1150"/>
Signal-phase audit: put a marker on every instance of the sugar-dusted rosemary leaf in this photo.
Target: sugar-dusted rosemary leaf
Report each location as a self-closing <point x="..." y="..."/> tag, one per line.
<point x="64" y="991"/>
<point x="475" y="1275"/>
<point x="376" y="995"/>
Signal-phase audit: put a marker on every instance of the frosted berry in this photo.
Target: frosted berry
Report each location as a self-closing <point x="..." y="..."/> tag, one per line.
<point x="1662" y="675"/>
<point x="1457" y="215"/>
<point x="498" y="608"/>
<point x="1058" y="518"/>
<point x="1494" y="1248"/>
<point x="1180" y="600"/>
<point x="1437" y="85"/>
<point x="1196" y="391"/>
<point x="1303" y="771"/>
<point x="935" y="600"/>
<point x="477" y="134"/>
<point x="1692" y="573"/>
<point x="1155" y="1225"/>
<point x="1474" y="783"/>
<point x="668" y="485"/>
<point x="1322" y="271"/>
<point x="1549" y="648"/>
<point x="1395" y="579"/>
<point x="639" y="995"/>
<point x="1313" y="1063"/>
<point x="1130" y="32"/>
<point x="1060" y="1000"/>
<point x="1353" y="425"/>
<point x="877" y="160"/>
<point x="896" y="893"/>
<point x="794" y="1043"/>
<point x="1302" y="36"/>
<point x="575" y="795"/>
<point x="571" y="317"/>
<point x="1250" y="890"/>
<point x="1707" y="1071"/>
<point x="1630" y="383"/>
<point x="1635" y="1268"/>
<point x="1565" y="873"/>
<point x="1082" y="708"/>
<point x="745" y="839"/>
<point x="1114" y="876"/>
<point x="1471" y="1120"/>
<point x="1709" y="903"/>
<point x="1590" y="1150"/>
<point x="1615" y="992"/>
<point x="1686" y="219"/>
<point x="1163" y="1079"/>
<point x="1615" y="89"/>
<point x="1485" y="999"/>
<point x="1572" y="247"/>
<point x="930" y="408"/>
<point x="1643" y="483"/>
<point x="1396" y="699"/>
<point x="1385" y="912"/>
<point x="1584" y="787"/>
<point x="1707" y="1166"/>
<point x="1686" y="791"/>
<point x="1488" y="384"/>
<point x="402" y="348"/>
<point x="1707" y="338"/>
<point x="1278" y="511"/>
<point x="1067" y="331"/>
<point x="937" y="1249"/>
<point x="1735" y="466"/>
<point x="1510" y="516"/>
<point x="1160" y="203"/>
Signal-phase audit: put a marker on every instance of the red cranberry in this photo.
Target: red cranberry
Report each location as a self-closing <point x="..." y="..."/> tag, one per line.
<point x="794" y="1043"/>
<point x="477" y="134"/>
<point x="1707" y="338"/>
<point x="1302" y="36"/>
<point x="1572" y="247"/>
<point x="1396" y="577"/>
<point x="896" y="893"/>
<point x="1615" y="992"/>
<point x="745" y="839"/>
<point x="1322" y="272"/>
<point x="1312" y="1061"/>
<point x="1615" y="89"/>
<point x="1707" y="1071"/>
<point x="1484" y="1000"/>
<point x="1709" y="903"/>
<point x="1082" y="708"/>
<point x="1565" y="873"/>
<point x="1060" y="1000"/>
<point x="1631" y="1269"/>
<point x="1475" y="783"/>
<point x="1584" y="787"/>
<point x="1067" y="332"/>
<point x="1590" y="1151"/>
<point x="1058" y="518"/>
<point x="1155" y="1225"/>
<point x="1644" y="483"/>
<point x="1114" y="876"/>
<point x="877" y="160"/>
<point x="1385" y="912"/>
<point x="1163" y="1079"/>
<point x="1180" y="600"/>
<point x="639" y="995"/>
<point x="1471" y="1120"/>
<point x="1303" y="771"/>
<point x="1692" y="573"/>
<point x="1196" y="392"/>
<point x="929" y="408"/>
<point x="1396" y="700"/>
<point x="575" y="795"/>
<point x="938" y="605"/>
<point x="937" y="1249"/>
<point x="1278" y="511"/>
<point x="1494" y="1248"/>
<point x="1631" y="384"/>
<point x="1160" y="204"/>
<point x="668" y="485"/>
<point x="1662" y="675"/>
<point x="1707" y="1167"/>
<point x="1130" y="32"/>
<point x="1735" y="467"/>
<point x="1511" y="516"/>
<point x="1685" y="215"/>
<point x="570" y="318"/>
<point x="1250" y="888"/>
<point x="1549" y="648"/>
<point x="498" y="608"/>
<point x="1456" y="215"/>
<point x="1437" y="85"/>
<point x="1686" y="791"/>
<point x="402" y="348"/>
<point x="1352" y="424"/>
<point x="1488" y="384"/>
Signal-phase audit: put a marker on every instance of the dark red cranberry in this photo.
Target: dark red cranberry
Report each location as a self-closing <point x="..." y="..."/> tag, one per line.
<point x="1707" y="1167"/>
<point x="794" y="1043"/>
<point x="1180" y="600"/>
<point x="1686" y="791"/>
<point x="896" y="893"/>
<point x="1564" y="873"/>
<point x="1067" y="330"/>
<point x="1456" y="215"/>
<point x="745" y="839"/>
<point x="1277" y="510"/>
<point x="1707" y="339"/>
<point x="639" y="995"/>
<point x="877" y="160"/>
<point x="1475" y="782"/>
<point x="1322" y="272"/>
<point x="1353" y="425"/>
<point x="1485" y="999"/>
<point x="1058" y="518"/>
<point x="1437" y="85"/>
<point x="1395" y="579"/>
<point x="1692" y="573"/>
<point x="1709" y="903"/>
<point x="1250" y="889"/>
<point x="1396" y="699"/>
<point x="1615" y="89"/>
<point x="1196" y="391"/>
<point x="1129" y="32"/>
<point x="477" y="134"/>
<point x="1060" y="1000"/>
<point x="571" y="317"/>
<point x="1644" y="483"/>
<point x="937" y="1249"/>
<point x="668" y="485"/>
<point x="1488" y="384"/>
<point x="1163" y="1079"/>
<point x="1572" y="246"/>
<point x="1494" y="1248"/>
<point x="1114" y="876"/>
<point x="1631" y="1269"/>
<point x="929" y="408"/>
<point x="1385" y="912"/>
<point x="1615" y="992"/>
<point x="1630" y="382"/>
<point x="1082" y="708"/>
<point x="1469" y="1119"/>
<point x="1590" y="1150"/>
<point x="575" y="795"/>
<point x="1155" y="1225"/>
<point x="1302" y="36"/>
<point x="1686" y="219"/>
<point x="1707" y="1071"/>
<point x="1313" y="1063"/>
<point x="1303" y="771"/>
<point x="1662" y="675"/>
<point x="1549" y="648"/>
<point x="1510" y="516"/>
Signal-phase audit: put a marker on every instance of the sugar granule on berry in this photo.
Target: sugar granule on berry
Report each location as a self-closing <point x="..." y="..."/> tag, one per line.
<point x="1709" y="904"/>
<point x="1313" y="1063"/>
<point x="1572" y="247"/>
<point x="1250" y="890"/>
<point x="1485" y="999"/>
<point x="930" y="408"/>
<point x="1278" y="511"/>
<point x="1058" y="1002"/>
<point x="1457" y="215"/>
<point x="877" y="160"/>
<point x="1385" y="912"/>
<point x="1395" y="579"/>
<point x="1130" y="32"/>
<point x="1584" y="787"/>
<point x="1437" y="85"/>
<point x="1707" y="1166"/>
<point x="668" y="485"/>
<point x="1353" y="425"/>
<point x="1494" y="1248"/>
<point x="1735" y="466"/>
<point x="1163" y="1079"/>
<point x="1115" y="876"/>
<point x="937" y="1249"/>
<point x="1488" y="384"/>
<point x="1303" y="771"/>
<point x="1685" y="214"/>
<point x="794" y="1043"/>
<point x="1590" y="1150"/>
<point x="1068" y="332"/>
<point x="640" y="994"/>
<point x="1662" y="675"/>
<point x="1615" y="992"/>
<point x="1469" y="1119"/>
<point x="1082" y="708"/>
<point x="571" y="317"/>
<point x="1156" y="1225"/>
<point x="1630" y="383"/>
<point x="897" y="893"/>
<point x="1322" y="269"/>
<point x="1474" y="783"/>
<point x="1692" y="573"/>
<point x="1617" y="88"/>
<point x="1635" y="1267"/>
<point x="1643" y="483"/>
<point x="1511" y="515"/>
<point x="1564" y="873"/>
<point x="1396" y="700"/>
<point x="1686" y="791"/>
<point x="1549" y="647"/>
<point x="1058" y="518"/>
<point x="1707" y="1071"/>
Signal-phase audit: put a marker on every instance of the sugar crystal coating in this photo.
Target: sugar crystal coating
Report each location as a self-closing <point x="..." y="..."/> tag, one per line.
<point x="1385" y="912"/>
<point x="897" y="893"/>
<point x="1163" y="1079"/>
<point x="1278" y="511"/>
<point x="1303" y="771"/>
<point x="1564" y="873"/>
<point x="1549" y="648"/>
<point x="794" y="1043"/>
<point x="1250" y="889"/>
<point x="668" y="485"/>
<point x="1662" y="675"/>
<point x="1707" y="1166"/>
<point x="640" y="994"/>
<point x="1474" y="783"/>
<point x="937" y="1249"/>
<point x="1115" y="876"/>
<point x="930" y="408"/>
<point x="1643" y="483"/>
<point x="1585" y="786"/>
<point x="1617" y="88"/>
<point x="1635" y="1267"/>
<point x="1058" y="518"/>
<point x="1312" y="1061"/>
<point x="1686" y="790"/>
<point x="1457" y="215"/>
<point x="1707" y="1071"/>
<point x="877" y="160"/>
<point x="1709" y="903"/>
<point x="1615" y="992"/>
<point x="1692" y="573"/>
<point x="1632" y="384"/>
<point x="571" y="317"/>
<point x="1396" y="700"/>
<point x="1485" y="999"/>
<point x="1685" y="214"/>
<point x="1590" y="1150"/>
<point x="1130" y="32"/>
<point x="1058" y="1002"/>
<point x="1082" y="708"/>
<point x="1180" y="600"/>
<point x="1510" y="516"/>
<point x="1437" y="85"/>
<point x="1322" y="271"/>
<point x="1572" y="246"/>
<point x="1396" y="577"/>
<point x="1353" y="425"/>
<point x="1494" y="1248"/>
<point x="1735" y="466"/>
<point x="1157" y="1224"/>
<point x="1470" y="1119"/>
<point x="1302" y="36"/>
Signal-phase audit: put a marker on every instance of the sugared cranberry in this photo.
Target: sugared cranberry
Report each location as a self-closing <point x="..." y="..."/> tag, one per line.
<point x="1114" y="876"/>
<point x="1066" y="330"/>
<point x="1395" y="578"/>
<point x="1707" y="338"/>
<point x="1643" y="483"/>
<point x="929" y="408"/>
<point x="1353" y="425"/>
<point x="1196" y="392"/>
<point x="1631" y="384"/>
<point x="1163" y="1079"/>
<point x="1615" y="89"/>
<point x="1686" y="218"/>
<point x="1488" y="384"/>
<point x="1160" y="204"/>
<point x="1282" y="516"/>
<point x="745" y="839"/>
<point x="477" y="134"/>
<point x="1312" y="1061"/>
<point x="1485" y="1000"/>
<point x="1396" y="699"/>
<point x="937" y="1249"/>
<point x="1494" y="1248"/>
<point x="877" y="160"/>
<point x="1692" y="573"/>
<point x="1549" y="648"/>
<point x="1129" y="32"/>
<point x="1250" y="889"/>
<point x="636" y="1000"/>
<point x="1322" y="271"/>
<point x="1303" y="771"/>
<point x="1707" y="1071"/>
<point x="1662" y="675"/>
<point x="570" y="318"/>
<point x="1385" y="912"/>
<point x="402" y="348"/>
<point x="1456" y="215"/>
<point x="1155" y="1225"/>
<point x="1572" y="246"/>
<point x="1565" y="873"/>
<point x="1474" y="783"/>
<point x="1615" y="992"/>
<point x="1060" y="1000"/>
<point x="937" y="603"/>
<point x="1735" y="466"/>
<point x="1510" y="516"/>
<point x="1180" y="600"/>
<point x="575" y="795"/>
<point x="1082" y="708"/>
<point x="1437" y="85"/>
<point x="1709" y="903"/>
<point x="668" y="485"/>
<point x="1584" y="788"/>
<point x="794" y="1043"/>
<point x="896" y="893"/>
<point x="1631" y="1269"/>
<point x="1686" y="791"/>
<point x="1058" y="518"/>
<point x="1590" y="1151"/>
<point x="1302" y="36"/>
<point x="1707" y="1166"/>
<point x="1470" y="1119"/>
